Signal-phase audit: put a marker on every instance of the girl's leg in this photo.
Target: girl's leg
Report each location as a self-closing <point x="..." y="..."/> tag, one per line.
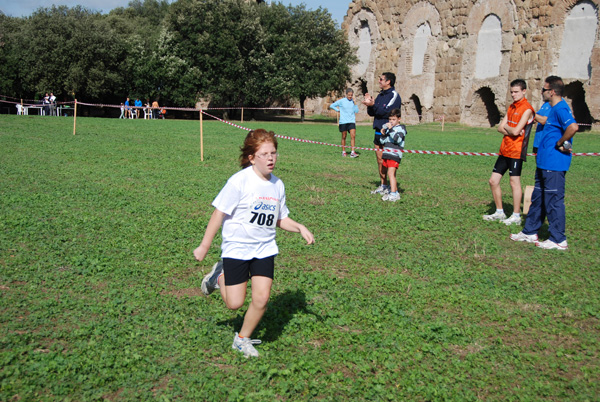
<point x="352" y="138"/>
<point x="344" y="141"/>
<point x="392" y="177"/>
<point x="261" y="291"/>
<point x="233" y="296"/>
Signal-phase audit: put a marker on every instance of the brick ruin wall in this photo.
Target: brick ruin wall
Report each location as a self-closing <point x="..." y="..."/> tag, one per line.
<point x="456" y="58"/>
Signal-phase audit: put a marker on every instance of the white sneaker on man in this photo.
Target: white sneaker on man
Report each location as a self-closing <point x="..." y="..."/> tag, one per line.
<point x="512" y="220"/>
<point x="244" y="345"/>
<point x="550" y="245"/>
<point x="496" y="216"/>
<point x="524" y="237"/>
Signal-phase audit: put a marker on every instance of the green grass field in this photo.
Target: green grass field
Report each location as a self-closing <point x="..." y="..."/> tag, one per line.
<point x="417" y="300"/>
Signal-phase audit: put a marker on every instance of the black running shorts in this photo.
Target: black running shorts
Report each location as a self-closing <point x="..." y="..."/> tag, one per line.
<point x="514" y="166"/>
<point x="240" y="271"/>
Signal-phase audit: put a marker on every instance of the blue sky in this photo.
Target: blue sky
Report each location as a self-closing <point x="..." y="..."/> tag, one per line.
<point x="21" y="8"/>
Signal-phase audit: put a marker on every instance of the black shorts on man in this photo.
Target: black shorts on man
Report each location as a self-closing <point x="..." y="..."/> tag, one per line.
<point x="377" y="138"/>
<point x="514" y="166"/>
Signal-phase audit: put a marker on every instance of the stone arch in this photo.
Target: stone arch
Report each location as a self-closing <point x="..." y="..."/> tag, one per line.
<point x="579" y="35"/>
<point x="420" y="40"/>
<point x="489" y="48"/>
<point x="483" y="110"/>
<point x="562" y="9"/>
<point x="575" y="93"/>
<point x="363" y="33"/>
<point x="501" y="15"/>
<point x="413" y="110"/>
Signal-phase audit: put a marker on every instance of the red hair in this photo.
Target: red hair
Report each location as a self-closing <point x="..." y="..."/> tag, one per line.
<point x="253" y="141"/>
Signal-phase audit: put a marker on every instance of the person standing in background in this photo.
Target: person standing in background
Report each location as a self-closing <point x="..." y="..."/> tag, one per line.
<point x="347" y="110"/>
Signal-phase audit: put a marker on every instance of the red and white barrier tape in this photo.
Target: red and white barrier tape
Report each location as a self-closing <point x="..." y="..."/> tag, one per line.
<point x="410" y="151"/>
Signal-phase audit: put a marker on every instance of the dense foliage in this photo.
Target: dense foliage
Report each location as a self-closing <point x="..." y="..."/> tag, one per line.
<point x="231" y="52"/>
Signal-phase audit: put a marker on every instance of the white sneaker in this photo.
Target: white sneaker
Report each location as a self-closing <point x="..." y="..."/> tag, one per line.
<point x="523" y="237"/>
<point x="344" y="153"/>
<point x="244" y="345"/>
<point x="391" y="197"/>
<point x="496" y="216"/>
<point x="354" y="155"/>
<point x="382" y="189"/>
<point x="210" y="281"/>
<point x="550" y="245"/>
<point x="514" y="219"/>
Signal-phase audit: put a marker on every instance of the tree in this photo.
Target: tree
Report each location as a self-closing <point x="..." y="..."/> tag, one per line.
<point x="307" y="55"/>
<point x="139" y="27"/>
<point x="9" y="28"/>
<point x="211" y="49"/>
<point x="67" y="51"/>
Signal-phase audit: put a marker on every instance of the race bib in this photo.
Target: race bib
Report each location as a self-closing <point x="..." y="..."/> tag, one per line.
<point x="264" y="212"/>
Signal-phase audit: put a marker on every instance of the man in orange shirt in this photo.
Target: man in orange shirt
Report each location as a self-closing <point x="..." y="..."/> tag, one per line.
<point x="520" y="113"/>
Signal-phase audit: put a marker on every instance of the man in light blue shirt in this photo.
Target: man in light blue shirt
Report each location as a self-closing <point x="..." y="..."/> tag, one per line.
<point x="347" y="110"/>
<point x="553" y="162"/>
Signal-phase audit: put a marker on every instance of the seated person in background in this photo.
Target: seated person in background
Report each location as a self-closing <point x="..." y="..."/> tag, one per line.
<point x="138" y="105"/>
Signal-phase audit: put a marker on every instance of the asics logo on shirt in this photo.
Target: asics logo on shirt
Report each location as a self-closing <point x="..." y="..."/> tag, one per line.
<point x="265" y="207"/>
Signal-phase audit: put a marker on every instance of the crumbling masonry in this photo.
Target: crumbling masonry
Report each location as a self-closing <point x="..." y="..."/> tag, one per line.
<point x="455" y="58"/>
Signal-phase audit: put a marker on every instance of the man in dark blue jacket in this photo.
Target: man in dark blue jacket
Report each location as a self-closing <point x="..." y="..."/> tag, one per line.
<point x="380" y="108"/>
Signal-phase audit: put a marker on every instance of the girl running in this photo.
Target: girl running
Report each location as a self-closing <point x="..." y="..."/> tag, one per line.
<point x="249" y="207"/>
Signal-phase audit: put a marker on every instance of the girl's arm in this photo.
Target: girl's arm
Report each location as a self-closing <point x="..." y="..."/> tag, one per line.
<point x="214" y="224"/>
<point x="292" y="226"/>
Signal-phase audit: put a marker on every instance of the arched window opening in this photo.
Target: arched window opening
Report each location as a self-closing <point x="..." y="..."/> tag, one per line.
<point x="578" y="41"/>
<point x="484" y="106"/>
<point x="364" y="47"/>
<point x="575" y="92"/>
<point x="420" y="48"/>
<point x="418" y="108"/>
<point x="363" y="86"/>
<point x="489" y="48"/>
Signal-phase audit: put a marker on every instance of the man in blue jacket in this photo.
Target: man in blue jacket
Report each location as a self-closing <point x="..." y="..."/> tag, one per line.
<point x="553" y="162"/>
<point x="380" y="108"/>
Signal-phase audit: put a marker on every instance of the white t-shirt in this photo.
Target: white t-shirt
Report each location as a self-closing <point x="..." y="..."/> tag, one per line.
<point x="252" y="207"/>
